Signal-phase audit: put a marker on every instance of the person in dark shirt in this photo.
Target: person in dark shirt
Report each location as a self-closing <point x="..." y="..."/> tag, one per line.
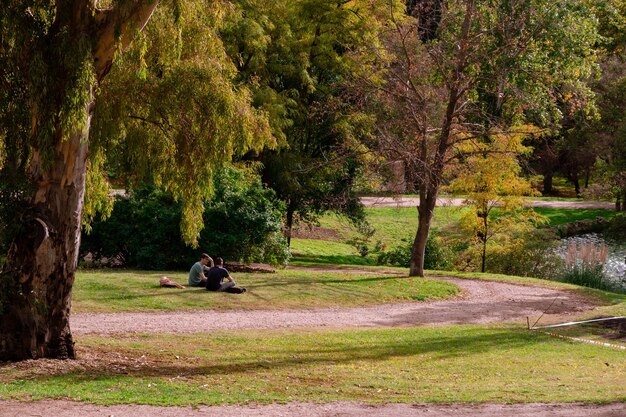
<point x="216" y="276"/>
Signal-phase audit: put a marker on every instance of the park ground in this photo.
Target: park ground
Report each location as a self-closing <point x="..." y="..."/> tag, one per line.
<point x="320" y="339"/>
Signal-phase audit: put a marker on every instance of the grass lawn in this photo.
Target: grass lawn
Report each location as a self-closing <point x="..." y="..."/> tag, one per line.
<point x="124" y="290"/>
<point x="442" y="364"/>
<point x="394" y="226"/>
<point x="558" y="217"/>
<point x="315" y="251"/>
<point x="468" y="363"/>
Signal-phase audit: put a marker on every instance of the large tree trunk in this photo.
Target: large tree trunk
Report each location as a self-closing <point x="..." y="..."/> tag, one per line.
<point x="39" y="272"/>
<point x="38" y="275"/>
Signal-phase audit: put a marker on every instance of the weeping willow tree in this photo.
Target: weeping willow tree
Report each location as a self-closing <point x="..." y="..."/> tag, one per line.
<point x="141" y="83"/>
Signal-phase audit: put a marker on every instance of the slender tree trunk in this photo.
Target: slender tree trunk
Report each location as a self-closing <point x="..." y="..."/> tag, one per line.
<point x="484" y="239"/>
<point x="418" y="252"/>
<point x="484" y="256"/>
<point x="576" y="185"/>
<point x="38" y="275"/>
<point x="547" y="182"/>
<point x="289" y="226"/>
<point x="429" y="185"/>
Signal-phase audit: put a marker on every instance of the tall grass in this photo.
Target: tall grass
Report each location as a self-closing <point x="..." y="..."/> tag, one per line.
<point x="584" y="265"/>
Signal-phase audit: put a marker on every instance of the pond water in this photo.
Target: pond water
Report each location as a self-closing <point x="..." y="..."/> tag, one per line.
<point x="615" y="265"/>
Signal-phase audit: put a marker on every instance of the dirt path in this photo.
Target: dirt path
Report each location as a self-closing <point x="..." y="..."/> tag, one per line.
<point x="456" y="202"/>
<point x="479" y="302"/>
<point x="334" y="409"/>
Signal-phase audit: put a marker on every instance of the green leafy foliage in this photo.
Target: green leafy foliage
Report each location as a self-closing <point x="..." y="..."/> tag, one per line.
<point x="525" y="254"/>
<point x="244" y="221"/>
<point x="171" y="107"/>
<point x="436" y="255"/>
<point x="243" y="224"/>
<point x="295" y="56"/>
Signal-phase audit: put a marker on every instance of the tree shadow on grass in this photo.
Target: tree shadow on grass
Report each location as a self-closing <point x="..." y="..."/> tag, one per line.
<point x="370" y="349"/>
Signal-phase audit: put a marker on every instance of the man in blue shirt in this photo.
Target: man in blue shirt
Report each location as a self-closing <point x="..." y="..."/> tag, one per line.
<point x="216" y="277"/>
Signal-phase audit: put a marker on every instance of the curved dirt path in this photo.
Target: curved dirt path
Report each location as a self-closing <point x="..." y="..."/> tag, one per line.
<point x="334" y="409"/>
<point x="479" y="302"/>
<point x="457" y="202"/>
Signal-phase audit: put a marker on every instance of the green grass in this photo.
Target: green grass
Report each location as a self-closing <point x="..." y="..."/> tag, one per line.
<point x="442" y="364"/>
<point x="307" y="251"/>
<point x="558" y="216"/>
<point x="124" y="290"/>
<point x="391" y="225"/>
<point x="395" y="225"/>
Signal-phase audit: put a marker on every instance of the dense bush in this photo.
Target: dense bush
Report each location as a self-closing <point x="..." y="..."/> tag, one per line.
<point x="242" y="223"/>
<point x="436" y="256"/>
<point x="527" y="254"/>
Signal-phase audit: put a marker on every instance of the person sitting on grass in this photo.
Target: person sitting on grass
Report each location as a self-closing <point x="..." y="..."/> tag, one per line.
<point x="197" y="277"/>
<point x="216" y="276"/>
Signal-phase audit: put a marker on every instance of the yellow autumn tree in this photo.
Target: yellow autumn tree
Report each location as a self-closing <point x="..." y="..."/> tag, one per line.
<point x="490" y="178"/>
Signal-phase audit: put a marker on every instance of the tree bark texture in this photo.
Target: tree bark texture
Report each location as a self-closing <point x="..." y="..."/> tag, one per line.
<point x="41" y="262"/>
<point x="37" y="278"/>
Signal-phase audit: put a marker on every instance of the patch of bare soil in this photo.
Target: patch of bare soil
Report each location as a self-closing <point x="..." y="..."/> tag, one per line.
<point x="479" y="302"/>
<point x="88" y="361"/>
<point x="334" y="409"/>
<point x="616" y="329"/>
<point x="315" y="232"/>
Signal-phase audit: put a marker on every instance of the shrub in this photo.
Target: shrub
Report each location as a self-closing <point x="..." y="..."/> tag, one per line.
<point x="242" y="223"/>
<point x="436" y="256"/>
<point x="527" y="254"/>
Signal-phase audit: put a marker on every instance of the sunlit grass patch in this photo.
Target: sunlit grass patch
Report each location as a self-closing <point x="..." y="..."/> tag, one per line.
<point x="125" y="290"/>
<point x="443" y="364"/>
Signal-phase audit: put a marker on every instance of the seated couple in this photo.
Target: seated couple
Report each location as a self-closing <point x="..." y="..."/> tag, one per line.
<point x="214" y="278"/>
